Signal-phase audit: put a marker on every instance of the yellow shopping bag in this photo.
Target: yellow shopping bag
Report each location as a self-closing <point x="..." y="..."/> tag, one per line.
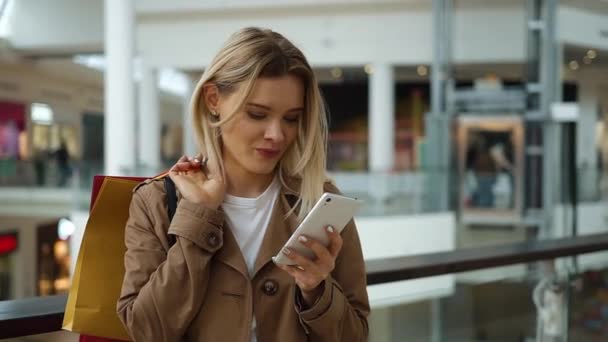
<point x="91" y="305"/>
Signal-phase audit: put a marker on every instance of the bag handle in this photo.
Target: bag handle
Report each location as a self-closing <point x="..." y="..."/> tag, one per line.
<point x="171" y="205"/>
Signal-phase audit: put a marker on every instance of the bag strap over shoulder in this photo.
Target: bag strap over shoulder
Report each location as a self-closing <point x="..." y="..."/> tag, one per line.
<point x="171" y="204"/>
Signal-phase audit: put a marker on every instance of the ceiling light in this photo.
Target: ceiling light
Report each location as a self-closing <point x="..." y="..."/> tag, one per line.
<point x="422" y="70"/>
<point x="41" y="113"/>
<point x="573" y="65"/>
<point x="65" y="228"/>
<point x="336" y="72"/>
<point x="591" y="54"/>
<point x="369" y="69"/>
<point x="587" y="60"/>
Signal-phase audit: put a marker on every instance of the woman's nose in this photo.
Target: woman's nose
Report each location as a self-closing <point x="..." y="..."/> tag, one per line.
<point x="274" y="132"/>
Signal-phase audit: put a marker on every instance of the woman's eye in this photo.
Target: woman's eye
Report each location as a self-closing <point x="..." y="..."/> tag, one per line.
<point x="291" y="119"/>
<point x="256" y="116"/>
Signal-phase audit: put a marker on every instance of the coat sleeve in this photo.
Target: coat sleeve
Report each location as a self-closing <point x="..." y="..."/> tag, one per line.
<point x="340" y="313"/>
<point x="163" y="290"/>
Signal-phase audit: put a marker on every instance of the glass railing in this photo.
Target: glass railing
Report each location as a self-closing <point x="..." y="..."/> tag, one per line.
<point x="48" y="173"/>
<point x="398" y="193"/>
<point x="552" y="290"/>
<point x="501" y="296"/>
<point x="521" y="302"/>
<point x="395" y="193"/>
<point x="411" y="191"/>
<point x="592" y="184"/>
<point x="48" y="177"/>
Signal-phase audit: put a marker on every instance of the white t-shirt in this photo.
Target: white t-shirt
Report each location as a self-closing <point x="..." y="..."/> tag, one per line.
<point x="248" y="219"/>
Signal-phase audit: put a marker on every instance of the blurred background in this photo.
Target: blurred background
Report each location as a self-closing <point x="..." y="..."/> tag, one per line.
<point x="461" y="123"/>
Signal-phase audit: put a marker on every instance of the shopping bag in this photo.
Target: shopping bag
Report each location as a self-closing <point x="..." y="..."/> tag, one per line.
<point x="91" y="305"/>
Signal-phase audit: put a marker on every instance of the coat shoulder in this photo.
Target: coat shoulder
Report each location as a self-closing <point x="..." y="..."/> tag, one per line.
<point x="151" y="188"/>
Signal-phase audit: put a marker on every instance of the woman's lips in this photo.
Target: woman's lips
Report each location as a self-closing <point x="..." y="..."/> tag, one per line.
<point x="268" y="153"/>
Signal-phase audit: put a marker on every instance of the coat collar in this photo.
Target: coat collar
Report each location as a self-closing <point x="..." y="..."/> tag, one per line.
<point x="277" y="233"/>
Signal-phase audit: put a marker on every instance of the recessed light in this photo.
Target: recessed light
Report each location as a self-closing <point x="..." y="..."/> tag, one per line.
<point x="422" y="70"/>
<point x="336" y="72"/>
<point x="587" y="60"/>
<point x="592" y="54"/>
<point x="573" y="65"/>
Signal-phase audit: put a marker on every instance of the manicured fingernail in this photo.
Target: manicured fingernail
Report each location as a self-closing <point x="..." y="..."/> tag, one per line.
<point x="303" y="238"/>
<point x="330" y="229"/>
<point x="286" y="251"/>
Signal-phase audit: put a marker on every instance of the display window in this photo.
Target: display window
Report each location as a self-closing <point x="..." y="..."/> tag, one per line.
<point x="53" y="261"/>
<point x="490" y="163"/>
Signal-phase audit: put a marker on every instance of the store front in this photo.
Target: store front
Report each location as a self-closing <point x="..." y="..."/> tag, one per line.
<point x="13" y="146"/>
<point x="8" y="247"/>
<point x="55" y="145"/>
<point x="53" y="266"/>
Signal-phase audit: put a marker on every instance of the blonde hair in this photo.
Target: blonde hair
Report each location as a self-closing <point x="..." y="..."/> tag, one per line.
<point x="251" y="53"/>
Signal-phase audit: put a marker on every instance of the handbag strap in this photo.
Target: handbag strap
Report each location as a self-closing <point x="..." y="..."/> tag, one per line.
<point x="171" y="205"/>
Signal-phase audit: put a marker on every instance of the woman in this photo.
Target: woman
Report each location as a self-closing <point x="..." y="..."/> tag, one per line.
<point x="261" y="124"/>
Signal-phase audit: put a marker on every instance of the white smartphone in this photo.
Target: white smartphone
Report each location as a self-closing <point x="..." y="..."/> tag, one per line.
<point x="330" y="210"/>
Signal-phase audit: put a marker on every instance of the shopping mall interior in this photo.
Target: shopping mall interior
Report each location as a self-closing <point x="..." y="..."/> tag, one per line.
<point x="475" y="132"/>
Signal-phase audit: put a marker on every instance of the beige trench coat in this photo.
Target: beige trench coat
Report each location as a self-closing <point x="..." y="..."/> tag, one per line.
<point x="200" y="289"/>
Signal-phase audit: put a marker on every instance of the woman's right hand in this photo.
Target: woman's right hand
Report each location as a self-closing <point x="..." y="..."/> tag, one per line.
<point x="202" y="185"/>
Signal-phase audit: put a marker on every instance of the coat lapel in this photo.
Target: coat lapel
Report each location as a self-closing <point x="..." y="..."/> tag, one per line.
<point x="230" y="253"/>
<point x="278" y="232"/>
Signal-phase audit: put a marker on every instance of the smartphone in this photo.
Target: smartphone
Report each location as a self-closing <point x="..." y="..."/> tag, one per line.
<point x="330" y="210"/>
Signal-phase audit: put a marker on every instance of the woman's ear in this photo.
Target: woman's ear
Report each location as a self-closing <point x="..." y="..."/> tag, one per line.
<point x="212" y="96"/>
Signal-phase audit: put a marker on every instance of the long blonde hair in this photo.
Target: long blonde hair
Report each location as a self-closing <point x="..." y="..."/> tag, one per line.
<point x="251" y="53"/>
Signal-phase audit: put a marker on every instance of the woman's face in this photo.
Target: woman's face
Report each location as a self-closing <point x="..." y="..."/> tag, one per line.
<point x="265" y="126"/>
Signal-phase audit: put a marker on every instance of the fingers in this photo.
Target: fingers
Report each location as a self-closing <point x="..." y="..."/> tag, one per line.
<point x="201" y="160"/>
<point x="305" y="280"/>
<point x="186" y="164"/>
<point x="335" y="241"/>
<point x="324" y="262"/>
<point x="324" y="257"/>
<point x="306" y="274"/>
<point x="299" y="259"/>
<point x="291" y="270"/>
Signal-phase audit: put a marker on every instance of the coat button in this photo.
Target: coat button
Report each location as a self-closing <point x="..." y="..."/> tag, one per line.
<point x="212" y="240"/>
<point x="270" y="287"/>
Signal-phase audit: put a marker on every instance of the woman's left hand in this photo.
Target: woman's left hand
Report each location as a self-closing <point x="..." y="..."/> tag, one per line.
<point x="309" y="274"/>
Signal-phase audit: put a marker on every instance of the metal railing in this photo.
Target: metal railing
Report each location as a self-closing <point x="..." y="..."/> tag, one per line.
<point x="31" y="316"/>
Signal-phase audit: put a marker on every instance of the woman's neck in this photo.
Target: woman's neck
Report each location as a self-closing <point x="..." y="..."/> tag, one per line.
<point x="242" y="183"/>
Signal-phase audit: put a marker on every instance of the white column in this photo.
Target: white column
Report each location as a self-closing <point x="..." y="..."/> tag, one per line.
<point x="149" y="122"/>
<point x="381" y="118"/>
<point x="119" y="127"/>
<point x="603" y="140"/>
<point x="381" y="148"/>
<point x="189" y="143"/>
<point x="586" y="149"/>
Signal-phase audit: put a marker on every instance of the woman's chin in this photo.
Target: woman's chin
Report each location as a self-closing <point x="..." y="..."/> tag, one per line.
<point x="263" y="168"/>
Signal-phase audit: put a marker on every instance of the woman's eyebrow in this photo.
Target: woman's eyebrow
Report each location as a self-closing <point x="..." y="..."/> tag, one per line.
<point x="253" y="104"/>
<point x="258" y="105"/>
<point x="299" y="109"/>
